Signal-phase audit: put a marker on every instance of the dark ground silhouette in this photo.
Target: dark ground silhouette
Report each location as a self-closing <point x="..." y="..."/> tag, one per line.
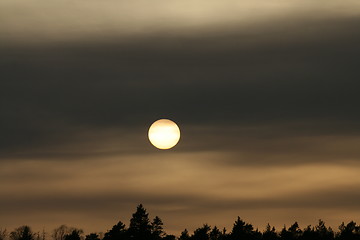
<point x="142" y="228"/>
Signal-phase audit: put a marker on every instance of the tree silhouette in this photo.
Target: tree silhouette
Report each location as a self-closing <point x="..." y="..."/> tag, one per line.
<point x="118" y="232"/>
<point x="60" y="232"/>
<point x="242" y="230"/>
<point x="140" y="228"/>
<point x="92" y="236"/>
<point x="215" y="234"/>
<point x="349" y="232"/>
<point x="270" y="233"/>
<point x="284" y="234"/>
<point x="322" y="232"/>
<point x="202" y="233"/>
<point x="309" y="233"/>
<point x="184" y="235"/>
<point x="292" y="233"/>
<point x="74" y="235"/>
<point x="22" y="233"/>
<point x="295" y="231"/>
<point x="157" y="231"/>
<point x="169" y="237"/>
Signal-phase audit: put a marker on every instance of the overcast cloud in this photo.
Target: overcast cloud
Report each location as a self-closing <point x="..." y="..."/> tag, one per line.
<point x="265" y="94"/>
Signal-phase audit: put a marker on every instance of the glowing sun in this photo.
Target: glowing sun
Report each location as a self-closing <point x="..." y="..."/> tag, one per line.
<point x="164" y="134"/>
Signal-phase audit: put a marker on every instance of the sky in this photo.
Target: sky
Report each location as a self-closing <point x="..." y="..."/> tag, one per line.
<point x="266" y="95"/>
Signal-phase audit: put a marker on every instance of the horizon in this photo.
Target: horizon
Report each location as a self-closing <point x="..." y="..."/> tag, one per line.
<point x="66" y="229"/>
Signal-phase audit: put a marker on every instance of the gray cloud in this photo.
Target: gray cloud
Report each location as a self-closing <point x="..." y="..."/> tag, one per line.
<point x="234" y="77"/>
<point x="42" y="21"/>
<point x="178" y="187"/>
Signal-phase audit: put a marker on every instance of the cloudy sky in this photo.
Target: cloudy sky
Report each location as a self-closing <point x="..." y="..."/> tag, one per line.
<point x="266" y="94"/>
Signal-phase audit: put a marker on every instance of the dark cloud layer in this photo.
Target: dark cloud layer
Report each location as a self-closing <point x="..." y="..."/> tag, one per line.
<point x="297" y="72"/>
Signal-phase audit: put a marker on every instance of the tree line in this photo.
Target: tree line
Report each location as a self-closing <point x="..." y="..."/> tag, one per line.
<point x="141" y="228"/>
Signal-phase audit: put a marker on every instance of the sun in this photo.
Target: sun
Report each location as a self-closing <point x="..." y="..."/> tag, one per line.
<point x="164" y="134"/>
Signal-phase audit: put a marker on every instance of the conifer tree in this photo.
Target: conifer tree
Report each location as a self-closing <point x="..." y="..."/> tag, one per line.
<point x="157" y="228"/>
<point x="140" y="228"/>
<point x="118" y="232"/>
<point x="184" y="235"/>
